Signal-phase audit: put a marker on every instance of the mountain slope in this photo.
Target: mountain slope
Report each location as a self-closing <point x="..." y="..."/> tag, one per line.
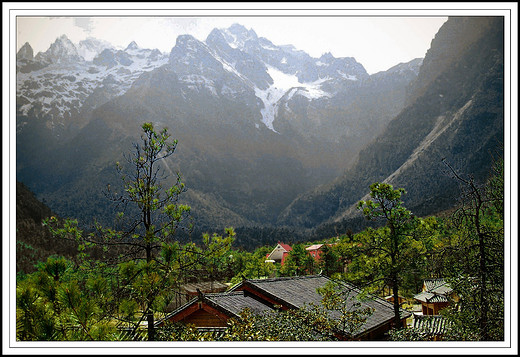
<point x="34" y="242"/>
<point x="257" y="124"/>
<point x="459" y="116"/>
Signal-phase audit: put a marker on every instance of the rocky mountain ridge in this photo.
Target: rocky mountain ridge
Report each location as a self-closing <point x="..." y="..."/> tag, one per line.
<point x="260" y="126"/>
<point x="455" y="113"/>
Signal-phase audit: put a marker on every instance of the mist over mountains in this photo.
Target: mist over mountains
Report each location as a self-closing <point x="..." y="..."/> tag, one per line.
<point x="268" y="135"/>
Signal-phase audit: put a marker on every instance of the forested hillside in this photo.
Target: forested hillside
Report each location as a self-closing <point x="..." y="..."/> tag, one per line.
<point x="34" y="242"/>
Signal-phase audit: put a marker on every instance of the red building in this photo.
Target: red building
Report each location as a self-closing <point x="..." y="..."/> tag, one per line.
<point x="316" y="250"/>
<point x="279" y="253"/>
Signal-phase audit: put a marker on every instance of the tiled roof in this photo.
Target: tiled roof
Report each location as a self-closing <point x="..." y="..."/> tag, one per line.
<point x="438" y="286"/>
<point x="299" y="291"/>
<point x="231" y="303"/>
<point x="314" y="247"/>
<point x="436" y="290"/>
<point x="236" y="302"/>
<point x="206" y="286"/>
<point x="426" y="296"/>
<point x="431" y="324"/>
<point x="444" y="289"/>
<point x="431" y="284"/>
<point x="287" y="247"/>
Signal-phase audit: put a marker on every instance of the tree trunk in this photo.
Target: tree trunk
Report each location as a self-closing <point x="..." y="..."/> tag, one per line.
<point x="395" y="292"/>
<point x="394" y="277"/>
<point x="151" y="328"/>
<point x="483" y="321"/>
<point x="149" y="314"/>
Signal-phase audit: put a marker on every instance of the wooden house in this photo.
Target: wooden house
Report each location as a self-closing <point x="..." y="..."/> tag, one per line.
<point x="212" y="311"/>
<point x="435" y="296"/>
<point x="188" y="291"/>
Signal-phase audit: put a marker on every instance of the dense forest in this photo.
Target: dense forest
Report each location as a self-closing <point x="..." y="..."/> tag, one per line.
<point x="115" y="283"/>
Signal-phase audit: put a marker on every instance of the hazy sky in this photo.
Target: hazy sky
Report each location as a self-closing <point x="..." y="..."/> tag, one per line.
<point x="378" y="43"/>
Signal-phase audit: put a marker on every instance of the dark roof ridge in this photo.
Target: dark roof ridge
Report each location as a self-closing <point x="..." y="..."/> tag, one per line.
<point x="207" y="298"/>
<point x="223" y="293"/>
<point x="287" y="278"/>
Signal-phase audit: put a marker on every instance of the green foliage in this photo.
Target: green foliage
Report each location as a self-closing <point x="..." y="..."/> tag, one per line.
<point x="298" y="262"/>
<point x="108" y="293"/>
<point x="350" y="314"/>
<point x="61" y="303"/>
<point x="410" y="334"/>
<point x="477" y="273"/>
<point x="138" y="268"/>
<point x="330" y="262"/>
<point x="252" y="265"/>
<point x="391" y="249"/>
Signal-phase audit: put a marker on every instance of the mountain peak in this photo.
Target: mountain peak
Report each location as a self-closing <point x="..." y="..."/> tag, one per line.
<point x="188" y="43"/>
<point x="25" y="52"/>
<point x="237" y="35"/>
<point x="63" y="38"/>
<point x="90" y="47"/>
<point x="132" y="46"/>
<point x="62" y="50"/>
<point x="243" y="32"/>
<point x="237" y="28"/>
<point x="184" y="39"/>
<point x="326" y="56"/>
<point x="216" y="34"/>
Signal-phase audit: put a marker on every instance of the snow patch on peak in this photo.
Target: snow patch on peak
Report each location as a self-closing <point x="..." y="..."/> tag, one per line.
<point x="282" y="83"/>
<point x="347" y="76"/>
<point x="237" y="35"/>
<point x="91" y="47"/>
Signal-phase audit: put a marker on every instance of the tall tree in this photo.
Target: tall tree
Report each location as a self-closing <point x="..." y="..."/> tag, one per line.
<point x="395" y="241"/>
<point x="478" y="275"/>
<point x="155" y="212"/>
<point x="330" y="260"/>
<point x="146" y="260"/>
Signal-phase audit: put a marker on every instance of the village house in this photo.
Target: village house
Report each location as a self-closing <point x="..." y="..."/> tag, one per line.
<point x="316" y="250"/>
<point x="435" y="296"/>
<point x="279" y="253"/>
<point x="188" y="291"/>
<point x="212" y="311"/>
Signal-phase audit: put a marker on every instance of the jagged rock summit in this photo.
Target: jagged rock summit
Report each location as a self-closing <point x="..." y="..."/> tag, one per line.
<point x="61" y="51"/>
<point x="132" y="46"/>
<point x="25" y="52"/>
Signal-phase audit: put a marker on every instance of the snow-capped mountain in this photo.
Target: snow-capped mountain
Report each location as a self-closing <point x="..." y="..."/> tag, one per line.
<point x="61" y="51"/>
<point x="236" y="60"/>
<point x="91" y="47"/>
<point x="59" y="83"/>
<point x="258" y="123"/>
<point x="231" y="62"/>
